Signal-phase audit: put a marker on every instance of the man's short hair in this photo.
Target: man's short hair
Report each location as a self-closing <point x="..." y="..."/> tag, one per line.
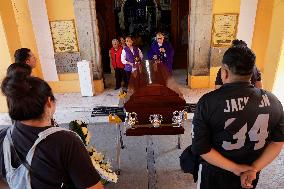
<point x="160" y="33"/>
<point x="129" y="36"/>
<point x="21" y="55"/>
<point x="240" y="60"/>
<point x="239" y="43"/>
<point x="16" y="69"/>
<point x="114" y="40"/>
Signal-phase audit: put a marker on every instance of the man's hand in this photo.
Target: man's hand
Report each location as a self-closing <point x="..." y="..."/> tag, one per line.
<point x="215" y="158"/>
<point x="131" y="64"/>
<point x="162" y="50"/>
<point x="155" y="57"/>
<point x="247" y="178"/>
<point x="241" y="168"/>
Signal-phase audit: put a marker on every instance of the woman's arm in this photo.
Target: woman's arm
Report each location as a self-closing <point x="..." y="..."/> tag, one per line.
<point x="123" y="58"/>
<point x="97" y="186"/>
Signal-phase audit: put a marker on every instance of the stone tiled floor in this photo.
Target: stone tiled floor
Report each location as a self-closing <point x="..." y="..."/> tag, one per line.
<point x="133" y="159"/>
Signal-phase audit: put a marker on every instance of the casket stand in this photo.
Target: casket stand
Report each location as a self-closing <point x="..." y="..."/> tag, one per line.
<point x="151" y="92"/>
<point x="153" y="99"/>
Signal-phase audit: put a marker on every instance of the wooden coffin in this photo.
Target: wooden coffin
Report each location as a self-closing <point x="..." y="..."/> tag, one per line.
<point x="152" y="90"/>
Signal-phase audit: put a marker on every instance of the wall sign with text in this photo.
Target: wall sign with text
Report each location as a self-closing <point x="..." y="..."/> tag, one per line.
<point x="64" y="36"/>
<point x="224" y="29"/>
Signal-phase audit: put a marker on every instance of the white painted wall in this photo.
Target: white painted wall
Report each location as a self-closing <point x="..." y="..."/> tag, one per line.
<point x="278" y="89"/>
<point x="43" y="39"/>
<point x="247" y="20"/>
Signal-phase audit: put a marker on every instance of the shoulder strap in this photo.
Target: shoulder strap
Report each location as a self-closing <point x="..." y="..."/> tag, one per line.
<point x="254" y="99"/>
<point x="27" y="165"/>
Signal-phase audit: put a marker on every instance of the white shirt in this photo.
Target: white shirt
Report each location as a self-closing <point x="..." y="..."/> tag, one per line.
<point x="123" y="57"/>
<point x="160" y="44"/>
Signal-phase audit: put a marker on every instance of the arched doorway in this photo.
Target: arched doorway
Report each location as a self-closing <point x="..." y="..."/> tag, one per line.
<point x="107" y="31"/>
<point x="145" y="17"/>
<point x="141" y="19"/>
<point x="180" y="32"/>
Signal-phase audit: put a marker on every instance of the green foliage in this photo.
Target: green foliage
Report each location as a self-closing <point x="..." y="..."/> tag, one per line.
<point x="77" y="128"/>
<point x="104" y="182"/>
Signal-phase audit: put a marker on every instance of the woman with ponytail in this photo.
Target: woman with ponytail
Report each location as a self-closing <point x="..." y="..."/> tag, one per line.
<point x="44" y="156"/>
<point x="18" y="69"/>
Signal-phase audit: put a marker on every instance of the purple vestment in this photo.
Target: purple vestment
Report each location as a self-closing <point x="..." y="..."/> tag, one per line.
<point x="130" y="57"/>
<point x="166" y="58"/>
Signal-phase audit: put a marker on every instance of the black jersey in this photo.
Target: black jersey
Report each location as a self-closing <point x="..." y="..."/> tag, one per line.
<point x="256" y="76"/>
<point x="216" y="110"/>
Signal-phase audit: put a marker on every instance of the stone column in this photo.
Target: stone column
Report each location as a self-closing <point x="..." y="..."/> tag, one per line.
<point x="43" y="39"/>
<point x="200" y="37"/>
<point x="18" y="27"/>
<point x="247" y="20"/>
<point x="88" y="39"/>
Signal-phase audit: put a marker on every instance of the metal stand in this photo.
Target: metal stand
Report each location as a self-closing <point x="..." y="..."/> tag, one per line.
<point x="179" y="142"/>
<point x="152" y="176"/>
<point x="152" y="180"/>
<point x="121" y="140"/>
<point x="119" y="144"/>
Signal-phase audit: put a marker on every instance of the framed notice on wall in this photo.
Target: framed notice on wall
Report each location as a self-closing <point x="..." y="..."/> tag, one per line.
<point x="64" y="36"/>
<point x="224" y="29"/>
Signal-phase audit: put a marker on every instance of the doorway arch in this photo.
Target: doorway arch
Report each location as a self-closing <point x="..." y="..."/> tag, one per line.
<point x="199" y="38"/>
<point x="137" y="18"/>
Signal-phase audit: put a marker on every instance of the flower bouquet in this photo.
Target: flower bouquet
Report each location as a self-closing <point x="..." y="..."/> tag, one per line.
<point x="102" y="166"/>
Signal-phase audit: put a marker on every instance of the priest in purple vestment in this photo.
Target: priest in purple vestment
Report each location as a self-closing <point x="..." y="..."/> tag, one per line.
<point x="163" y="51"/>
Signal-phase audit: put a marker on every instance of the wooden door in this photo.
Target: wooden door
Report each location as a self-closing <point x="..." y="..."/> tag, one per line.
<point x="180" y="32"/>
<point x="106" y="24"/>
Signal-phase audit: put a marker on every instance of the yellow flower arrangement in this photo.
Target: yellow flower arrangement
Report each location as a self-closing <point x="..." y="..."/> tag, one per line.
<point x="98" y="159"/>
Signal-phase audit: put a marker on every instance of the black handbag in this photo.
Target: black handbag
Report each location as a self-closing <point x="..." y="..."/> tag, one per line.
<point x="189" y="162"/>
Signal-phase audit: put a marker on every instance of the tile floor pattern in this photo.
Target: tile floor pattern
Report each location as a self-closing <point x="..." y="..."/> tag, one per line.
<point x="169" y="175"/>
<point x="134" y="162"/>
<point x="133" y="158"/>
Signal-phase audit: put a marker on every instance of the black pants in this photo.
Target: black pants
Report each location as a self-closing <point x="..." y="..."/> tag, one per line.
<point x="211" y="177"/>
<point x="127" y="78"/>
<point x="119" y="76"/>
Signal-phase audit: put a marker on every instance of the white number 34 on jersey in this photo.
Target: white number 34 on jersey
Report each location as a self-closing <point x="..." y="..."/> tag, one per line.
<point x="258" y="133"/>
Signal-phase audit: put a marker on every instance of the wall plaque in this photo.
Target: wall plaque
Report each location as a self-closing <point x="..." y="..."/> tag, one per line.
<point x="224" y="29"/>
<point x="64" y="36"/>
